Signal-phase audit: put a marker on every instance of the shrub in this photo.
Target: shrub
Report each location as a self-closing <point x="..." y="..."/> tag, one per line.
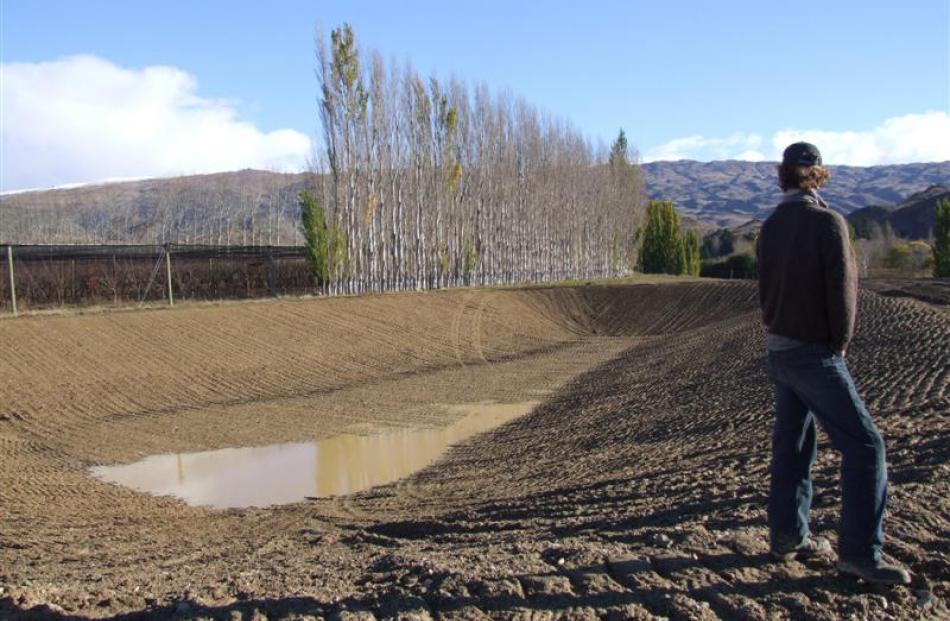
<point x="912" y="256"/>
<point x="737" y="266"/>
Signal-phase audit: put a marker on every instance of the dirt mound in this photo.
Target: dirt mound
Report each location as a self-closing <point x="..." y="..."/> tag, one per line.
<point x="635" y="490"/>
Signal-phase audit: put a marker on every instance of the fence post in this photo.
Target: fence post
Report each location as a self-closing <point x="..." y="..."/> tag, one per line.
<point x="271" y="274"/>
<point x="168" y="273"/>
<point x="12" y="279"/>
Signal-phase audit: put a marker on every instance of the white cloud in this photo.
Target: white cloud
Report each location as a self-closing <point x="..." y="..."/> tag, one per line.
<point x="910" y="138"/>
<point x="899" y="140"/>
<point x="700" y="148"/>
<point x="83" y="119"/>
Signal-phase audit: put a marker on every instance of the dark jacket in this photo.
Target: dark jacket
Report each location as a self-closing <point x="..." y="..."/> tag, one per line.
<point x="807" y="276"/>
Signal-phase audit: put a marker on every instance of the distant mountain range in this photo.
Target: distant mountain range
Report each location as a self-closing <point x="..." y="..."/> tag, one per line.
<point x="259" y="207"/>
<point x="729" y="193"/>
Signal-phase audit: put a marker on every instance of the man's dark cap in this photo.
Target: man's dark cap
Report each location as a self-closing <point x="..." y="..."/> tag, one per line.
<point x="802" y="154"/>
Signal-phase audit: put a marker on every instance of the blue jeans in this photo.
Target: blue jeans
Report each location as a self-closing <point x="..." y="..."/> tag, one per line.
<point x="812" y="383"/>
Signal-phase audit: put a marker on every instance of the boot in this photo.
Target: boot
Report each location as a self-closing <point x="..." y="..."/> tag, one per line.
<point x="875" y="571"/>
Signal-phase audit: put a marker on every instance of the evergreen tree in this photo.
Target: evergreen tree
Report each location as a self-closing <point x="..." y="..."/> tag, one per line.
<point x="618" y="152"/>
<point x="676" y="259"/>
<point x="942" y="239"/>
<point x="313" y="223"/>
<point x="691" y="252"/>
<point x="662" y="251"/>
<point x="652" y="257"/>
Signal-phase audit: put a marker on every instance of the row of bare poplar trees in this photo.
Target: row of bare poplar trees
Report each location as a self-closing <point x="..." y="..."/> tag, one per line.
<point x="428" y="184"/>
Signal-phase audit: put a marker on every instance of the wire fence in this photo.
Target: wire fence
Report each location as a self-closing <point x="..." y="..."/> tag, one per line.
<point x="50" y="276"/>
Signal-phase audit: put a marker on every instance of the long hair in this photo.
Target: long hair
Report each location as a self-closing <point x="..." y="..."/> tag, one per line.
<point x="792" y="176"/>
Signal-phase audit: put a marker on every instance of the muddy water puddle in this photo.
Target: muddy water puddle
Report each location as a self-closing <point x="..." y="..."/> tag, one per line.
<point x="260" y="476"/>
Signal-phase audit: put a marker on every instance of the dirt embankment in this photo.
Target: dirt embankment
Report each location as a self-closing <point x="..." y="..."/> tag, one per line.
<point x="634" y="491"/>
<point x="933" y="291"/>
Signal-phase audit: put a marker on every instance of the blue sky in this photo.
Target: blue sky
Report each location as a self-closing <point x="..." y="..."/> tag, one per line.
<point x="699" y="80"/>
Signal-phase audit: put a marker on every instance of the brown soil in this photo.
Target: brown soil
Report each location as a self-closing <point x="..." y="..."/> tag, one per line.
<point x="634" y="491"/>
<point x="934" y="291"/>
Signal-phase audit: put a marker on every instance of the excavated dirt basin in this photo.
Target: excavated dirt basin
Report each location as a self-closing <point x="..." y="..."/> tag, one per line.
<point x="634" y="489"/>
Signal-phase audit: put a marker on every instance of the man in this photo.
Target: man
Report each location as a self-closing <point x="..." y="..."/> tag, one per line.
<point x="808" y="294"/>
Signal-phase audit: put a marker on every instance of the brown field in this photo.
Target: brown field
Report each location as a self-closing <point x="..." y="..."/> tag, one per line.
<point x="634" y="490"/>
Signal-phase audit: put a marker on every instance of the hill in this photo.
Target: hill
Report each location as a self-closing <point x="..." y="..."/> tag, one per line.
<point x="865" y="218"/>
<point x="245" y="207"/>
<point x="731" y="192"/>
<point x="913" y="218"/>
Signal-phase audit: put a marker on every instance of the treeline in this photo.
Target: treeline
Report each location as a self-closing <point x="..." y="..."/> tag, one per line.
<point x="882" y="251"/>
<point x="428" y="184"/>
<point x="666" y="248"/>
